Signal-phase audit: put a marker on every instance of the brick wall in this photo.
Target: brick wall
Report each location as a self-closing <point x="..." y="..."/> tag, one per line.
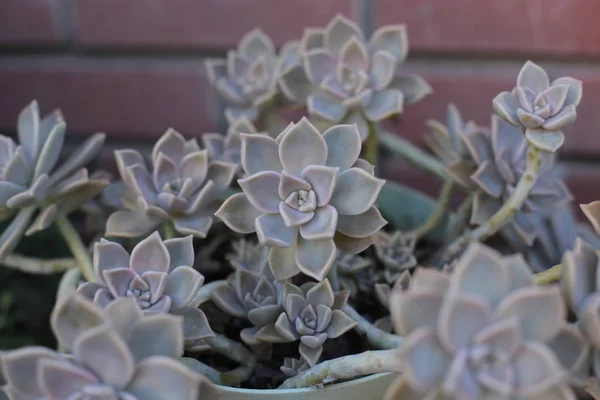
<point x="133" y="68"/>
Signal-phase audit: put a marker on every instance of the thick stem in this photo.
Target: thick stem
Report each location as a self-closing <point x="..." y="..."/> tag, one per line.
<point x="549" y="276"/>
<point x="508" y="209"/>
<point x="231" y="349"/>
<point x="372" y="144"/>
<point x="436" y="216"/>
<point x="39" y="266"/>
<point x="412" y="153"/>
<point x="348" y="367"/>
<point x="78" y="249"/>
<point x="227" y="378"/>
<point x="375" y="336"/>
<point x="168" y="230"/>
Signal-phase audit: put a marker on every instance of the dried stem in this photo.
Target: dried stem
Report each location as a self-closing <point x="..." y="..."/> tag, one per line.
<point x="347" y="367"/>
<point x="549" y="276"/>
<point x="436" y="216"/>
<point x="506" y="212"/>
<point x="411" y="153"/>
<point x="78" y="249"/>
<point x="375" y="336"/>
<point x="39" y="266"/>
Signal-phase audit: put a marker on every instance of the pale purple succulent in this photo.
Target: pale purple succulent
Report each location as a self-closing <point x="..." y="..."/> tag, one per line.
<point x="29" y="180"/>
<point x="484" y="332"/>
<point x="382" y="294"/>
<point x="253" y="296"/>
<point x="354" y="272"/>
<point x="540" y="107"/>
<point x="312" y="314"/>
<point x="247" y="79"/>
<point x="158" y="275"/>
<point x="293" y="366"/>
<point x="349" y="79"/>
<point x="183" y="188"/>
<point x="305" y="195"/>
<point x="396" y="253"/>
<point x="500" y="155"/>
<point x="249" y="256"/>
<point x="228" y="148"/>
<point x="449" y="143"/>
<point x="117" y="353"/>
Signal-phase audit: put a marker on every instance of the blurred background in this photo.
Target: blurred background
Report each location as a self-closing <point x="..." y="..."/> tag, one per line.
<point x="133" y="68"/>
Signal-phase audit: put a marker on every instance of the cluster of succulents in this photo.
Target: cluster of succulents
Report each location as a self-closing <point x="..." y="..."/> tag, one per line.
<point x="482" y="326"/>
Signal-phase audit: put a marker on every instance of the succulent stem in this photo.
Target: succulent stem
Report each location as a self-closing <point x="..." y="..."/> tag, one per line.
<point x="549" y="276"/>
<point x="372" y="144"/>
<point x="231" y="349"/>
<point x="229" y="378"/>
<point x="78" y="249"/>
<point x="436" y="216"/>
<point x="168" y="230"/>
<point x="347" y="367"/>
<point x="463" y="213"/>
<point x="411" y="153"/>
<point x="508" y="209"/>
<point x="32" y="265"/>
<point x="375" y="336"/>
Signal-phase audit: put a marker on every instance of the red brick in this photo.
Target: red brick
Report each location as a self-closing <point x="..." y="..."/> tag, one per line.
<point x="490" y="27"/>
<point x="196" y="24"/>
<point x="124" y="101"/>
<point x="30" y="22"/>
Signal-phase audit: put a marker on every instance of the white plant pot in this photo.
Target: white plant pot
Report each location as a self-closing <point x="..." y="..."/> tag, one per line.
<point x="372" y="387"/>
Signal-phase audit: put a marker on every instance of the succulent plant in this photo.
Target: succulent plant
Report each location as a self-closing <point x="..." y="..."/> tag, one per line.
<point x="249" y="256"/>
<point x="484" y="332"/>
<point x="382" y="293"/>
<point x="396" y="253"/>
<point x="158" y="276"/>
<point x="449" y="143"/>
<point x="228" y="148"/>
<point x="306" y="194"/>
<point x="29" y="181"/>
<point x="293" y="366"/>
<point x="117" y="353"/>
<point x="352" y="80"/>
<point x="247" y="79"/>
<point x="351" y="268"/>
<point x="183" y="188"/>
<point x="501" y="156"/>
<point x="540" y="107"/>
<point x="312" y="314"/>
<point x="252" y="296"/>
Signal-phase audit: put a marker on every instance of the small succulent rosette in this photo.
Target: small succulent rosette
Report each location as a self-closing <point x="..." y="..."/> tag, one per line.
<point x="306" y="195"/>
<point x="449" y="143"/>
<point x="311" y="314"/>
<point x="355" y="273"/>
<point x="254" y="296"/>
<point x="484" y="332"/>
<point x="352" y="80"/>
<point x="183" y="188"/>
<point x="500" y="155"/>
<point x="540" y="107"/>
<point x="396" y="252"/>
<point x="228" y="148"/>
<point x="29" y="180"/>
<point x="293" y="366"/>
<point x="158" y="275"/>
<point x="247" y="79"/>
<point x="115" y="353"/>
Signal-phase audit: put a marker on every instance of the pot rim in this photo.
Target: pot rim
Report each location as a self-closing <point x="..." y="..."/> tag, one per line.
<point x="304" y="390"/>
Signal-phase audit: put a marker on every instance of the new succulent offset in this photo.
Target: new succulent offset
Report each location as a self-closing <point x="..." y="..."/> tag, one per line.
<point x="158" y="275"/>
<point x="183" y="188"/>
<point x="352" y="80"/>
<point x="396" y="252"/>
<point x="117" y="354"/>
<point x="305" y="195"/>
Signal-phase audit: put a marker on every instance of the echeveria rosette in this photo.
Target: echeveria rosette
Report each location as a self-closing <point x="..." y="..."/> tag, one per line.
<point x="158" y="275"/>
<point x="540" y="107"/>
<point x="247" y="79"/>
<point x="116" y="353"/>
<point x="253" y="296"/>
<point x="500" y="155"/>
<point x="228" y="148"/>
<point x="484" y="332"/>
<point x="305" y="195"/>
<point x="29" y="180"/>
<point x="293" y="366"/>
<point x="350" y="79"/>
<point x="183" y="187"/>
<point x="396" y="252"/>
<point x="449" y="143"/>
<point x="312" y="314"/>
<point x="354" y="272"/>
